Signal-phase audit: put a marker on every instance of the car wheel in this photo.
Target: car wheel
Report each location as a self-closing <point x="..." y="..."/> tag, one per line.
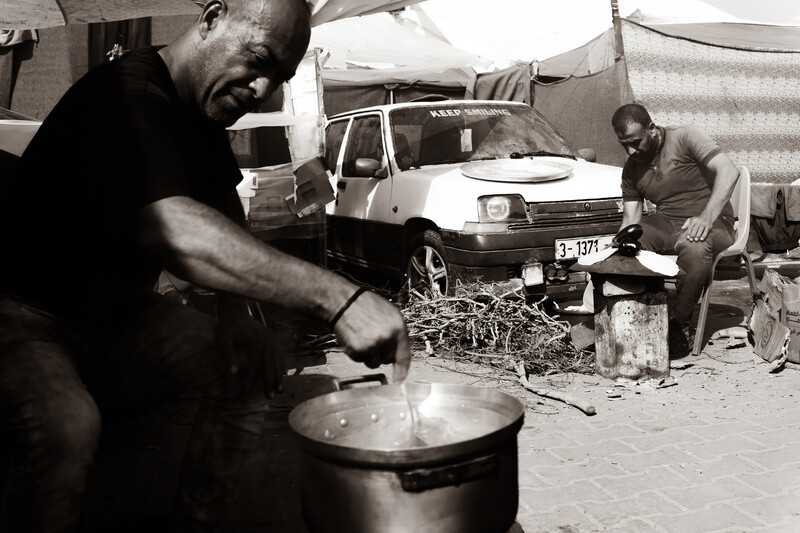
<point x="427" y="271"/>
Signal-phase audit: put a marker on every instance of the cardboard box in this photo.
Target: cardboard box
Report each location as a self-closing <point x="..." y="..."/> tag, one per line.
<point x="791" y="317"/>
<point x="775" y="318"/>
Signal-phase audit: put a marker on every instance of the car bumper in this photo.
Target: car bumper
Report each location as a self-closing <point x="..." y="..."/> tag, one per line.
<point x="517" y="247"/>
<point x="500" y="257"/>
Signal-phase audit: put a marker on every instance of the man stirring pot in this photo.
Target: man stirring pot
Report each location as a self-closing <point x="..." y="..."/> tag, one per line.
<point x="132" y="173"/>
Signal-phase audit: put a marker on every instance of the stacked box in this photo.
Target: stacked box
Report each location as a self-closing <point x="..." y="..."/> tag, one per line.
<point x="269" y="215"/>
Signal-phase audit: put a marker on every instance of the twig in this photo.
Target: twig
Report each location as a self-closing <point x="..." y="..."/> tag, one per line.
<point x="583" y="405"/>
<point x="480" y="321"/>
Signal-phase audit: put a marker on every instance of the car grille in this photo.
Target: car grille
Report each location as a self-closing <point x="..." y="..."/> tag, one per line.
<point x="560" y="214"/>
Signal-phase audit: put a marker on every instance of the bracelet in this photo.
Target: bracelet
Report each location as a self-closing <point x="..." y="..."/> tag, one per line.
<point x="347" y="304"/>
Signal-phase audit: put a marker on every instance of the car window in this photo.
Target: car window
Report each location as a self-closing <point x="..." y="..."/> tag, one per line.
<point x="469" y="132"/>
<point x="365" y="141"/>
<point x="334" y="135"/>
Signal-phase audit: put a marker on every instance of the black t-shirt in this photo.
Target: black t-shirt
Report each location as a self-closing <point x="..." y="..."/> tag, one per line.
<point x="119" y="139"/>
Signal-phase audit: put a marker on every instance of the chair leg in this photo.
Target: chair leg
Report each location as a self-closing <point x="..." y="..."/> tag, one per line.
<point x="705" y="298"/>
<point x="701" y="321"/>
<point x="751" y="274"/>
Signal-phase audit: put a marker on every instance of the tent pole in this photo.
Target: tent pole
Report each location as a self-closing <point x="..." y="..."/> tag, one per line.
<point x="618" y="47"/>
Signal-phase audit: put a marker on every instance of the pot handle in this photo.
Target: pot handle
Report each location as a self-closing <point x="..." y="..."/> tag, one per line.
<point x="347" y="383"/>
<point x="421" y="479"/>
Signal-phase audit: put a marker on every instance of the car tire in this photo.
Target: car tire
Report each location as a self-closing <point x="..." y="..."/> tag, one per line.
<point x="426" y="267"/>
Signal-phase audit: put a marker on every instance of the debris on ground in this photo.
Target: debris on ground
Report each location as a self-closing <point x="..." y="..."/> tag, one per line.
<point x="656" y="383"/>
<point x="482" y="324"/>
<point x="554" y="394"/>
<point x="736" y="332"/>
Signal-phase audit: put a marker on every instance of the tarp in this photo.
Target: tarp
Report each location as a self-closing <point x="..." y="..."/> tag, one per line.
<point x="30" y="14"/>
<point x="374" y="60"/>
<point x="576" y="37"/>
<point x="511" y="30"/>
<point x="375" y="49"/>
<point x="747" y="99"/>
<point x="581" y="109"/>
<point x="736" y="35"/>
<point x="33" y="76"/>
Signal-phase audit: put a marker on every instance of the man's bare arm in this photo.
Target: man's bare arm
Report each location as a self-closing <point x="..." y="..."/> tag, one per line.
<point x="631" y="213"/>
<point x="201" y="245"/>
<point x="725" y="177"/>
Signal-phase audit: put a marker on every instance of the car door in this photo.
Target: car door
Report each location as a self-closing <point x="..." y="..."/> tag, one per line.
<point x="360" y="217"/>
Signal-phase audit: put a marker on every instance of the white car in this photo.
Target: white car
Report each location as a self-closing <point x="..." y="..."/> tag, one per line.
<point x="437" y="190"/>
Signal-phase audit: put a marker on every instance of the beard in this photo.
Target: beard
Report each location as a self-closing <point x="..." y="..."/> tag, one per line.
<point x="224" y="110"/>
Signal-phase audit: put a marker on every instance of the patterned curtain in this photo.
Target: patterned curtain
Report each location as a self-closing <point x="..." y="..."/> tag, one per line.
<point x="748" y="101"/>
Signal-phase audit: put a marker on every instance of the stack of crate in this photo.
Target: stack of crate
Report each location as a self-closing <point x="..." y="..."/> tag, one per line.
<point x="268" y="213"/>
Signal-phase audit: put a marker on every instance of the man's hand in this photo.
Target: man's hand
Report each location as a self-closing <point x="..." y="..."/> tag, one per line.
<point x="373" y="331"/>
<point x="250" y="354"/>
<point x="697" y="228"/>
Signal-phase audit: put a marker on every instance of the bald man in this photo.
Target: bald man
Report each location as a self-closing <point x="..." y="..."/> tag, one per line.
<point x="132" y="173"/>
<point x="689" y="179"/>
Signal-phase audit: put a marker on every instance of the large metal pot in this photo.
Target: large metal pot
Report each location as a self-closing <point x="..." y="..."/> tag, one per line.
<point x="361" y="475"/>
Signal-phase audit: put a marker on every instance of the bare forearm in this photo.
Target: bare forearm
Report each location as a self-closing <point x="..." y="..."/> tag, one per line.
<point x="720" y="194"/>
<point x="631" y="213"/>
<point x="203" y="246"/>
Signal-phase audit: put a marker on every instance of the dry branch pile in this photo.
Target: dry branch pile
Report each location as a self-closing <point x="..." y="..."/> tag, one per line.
<point x="481" y="325"/>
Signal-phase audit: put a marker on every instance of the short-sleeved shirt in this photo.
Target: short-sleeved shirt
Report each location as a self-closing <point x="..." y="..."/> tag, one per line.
<point x="119" y="139"/>
<point x="678" y="180"/>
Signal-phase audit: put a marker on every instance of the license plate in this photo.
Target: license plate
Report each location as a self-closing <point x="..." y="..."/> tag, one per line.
<point x="574" y="248"/>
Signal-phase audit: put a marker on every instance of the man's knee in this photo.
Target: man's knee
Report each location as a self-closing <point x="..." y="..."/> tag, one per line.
<point x="67" y="427"/>
<point x="694" y="257"/>
<point x="690" y="252"/>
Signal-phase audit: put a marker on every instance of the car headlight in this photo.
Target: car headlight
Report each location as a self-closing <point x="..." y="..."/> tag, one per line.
<point x="501" y="208"/>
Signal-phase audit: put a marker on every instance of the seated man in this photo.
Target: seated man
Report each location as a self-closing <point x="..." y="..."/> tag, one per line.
<point x="689" y="179"/>
<point x="131" y="173"/>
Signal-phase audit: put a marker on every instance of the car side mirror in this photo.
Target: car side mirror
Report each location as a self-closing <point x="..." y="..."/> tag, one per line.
<point x="589" y="154"/>
<point x="366" y="167"/>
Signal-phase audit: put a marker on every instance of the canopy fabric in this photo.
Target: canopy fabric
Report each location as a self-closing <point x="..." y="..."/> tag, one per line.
<point x="512" y="31"/>
<point x="591" y="58"/>
<point x="38" y="14"/>
<point x="581" y="109"/>
<point x="573" y="38"/>
<point x="737" y="35"/>
<point x="377" y="41"/>
<point x="650" y="12"/>
<point x="449" y="77"/>
<point x="510" y="84"/>
<point x="331" y="10"/>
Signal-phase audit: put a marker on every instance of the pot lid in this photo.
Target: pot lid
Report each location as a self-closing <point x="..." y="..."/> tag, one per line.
<point x="516" y="170"/>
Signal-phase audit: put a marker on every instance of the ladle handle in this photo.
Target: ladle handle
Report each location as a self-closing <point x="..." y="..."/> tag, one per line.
<point x="348" y="383"/>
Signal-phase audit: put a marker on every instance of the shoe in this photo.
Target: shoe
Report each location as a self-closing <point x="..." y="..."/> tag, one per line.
<point x="679" y="345"/>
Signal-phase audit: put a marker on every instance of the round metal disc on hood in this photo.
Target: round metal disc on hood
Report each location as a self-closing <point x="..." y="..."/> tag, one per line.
<point x="516" y="170"/>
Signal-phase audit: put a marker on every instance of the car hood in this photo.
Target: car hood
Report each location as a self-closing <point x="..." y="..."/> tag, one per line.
<point x="583" y="181"/>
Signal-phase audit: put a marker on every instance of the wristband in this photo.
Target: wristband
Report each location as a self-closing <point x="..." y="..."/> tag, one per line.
<point x="347" y="304"/>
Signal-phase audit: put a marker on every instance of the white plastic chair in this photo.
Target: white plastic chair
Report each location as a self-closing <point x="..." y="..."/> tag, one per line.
<point x="740" y="201"/>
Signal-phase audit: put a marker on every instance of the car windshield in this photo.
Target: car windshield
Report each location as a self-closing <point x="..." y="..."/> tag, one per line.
<point x="469" y="132"/>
